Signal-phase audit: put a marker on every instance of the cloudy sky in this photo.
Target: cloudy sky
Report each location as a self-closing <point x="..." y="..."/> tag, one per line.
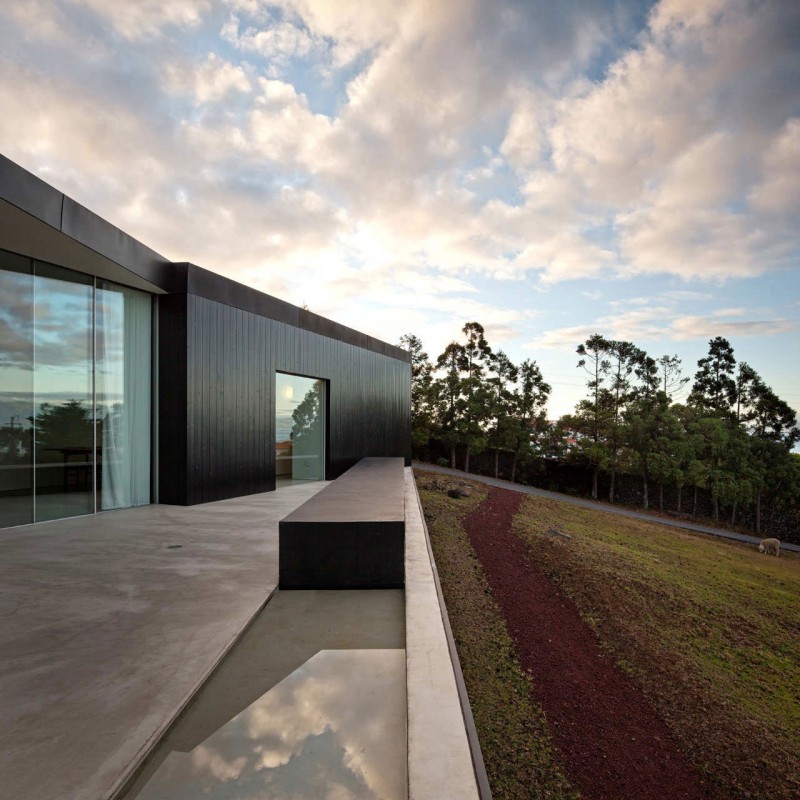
<point x="547" y="169"/>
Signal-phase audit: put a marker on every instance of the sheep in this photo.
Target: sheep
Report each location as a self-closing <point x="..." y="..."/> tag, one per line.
<point x="768" y="545"/>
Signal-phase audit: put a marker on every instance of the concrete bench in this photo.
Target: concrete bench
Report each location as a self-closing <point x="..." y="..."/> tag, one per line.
<point x="350" y="535"/>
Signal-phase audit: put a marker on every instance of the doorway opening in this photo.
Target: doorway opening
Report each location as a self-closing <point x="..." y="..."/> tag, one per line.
<point x="299" y="429"/>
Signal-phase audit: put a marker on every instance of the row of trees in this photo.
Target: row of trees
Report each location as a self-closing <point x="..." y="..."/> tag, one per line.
<point x="732" y="437"/>
<point x="474" y="398"/>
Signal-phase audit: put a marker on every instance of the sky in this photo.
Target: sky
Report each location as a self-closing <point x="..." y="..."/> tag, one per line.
<point x="550" y="170"/>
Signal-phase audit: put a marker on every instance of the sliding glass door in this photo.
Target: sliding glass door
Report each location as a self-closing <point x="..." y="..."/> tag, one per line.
<point x="75" y="393"/>
<point x="63" y="390"/>
<point x="299" y="428"/>
<point x="123" y="396"/>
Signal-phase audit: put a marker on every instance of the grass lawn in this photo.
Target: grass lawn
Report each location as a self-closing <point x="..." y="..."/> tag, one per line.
<point x="709" y="629"/>
<point x="513" y="733"/>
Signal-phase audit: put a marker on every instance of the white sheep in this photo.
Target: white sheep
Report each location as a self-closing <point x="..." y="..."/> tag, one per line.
<point x="768" y="545"/>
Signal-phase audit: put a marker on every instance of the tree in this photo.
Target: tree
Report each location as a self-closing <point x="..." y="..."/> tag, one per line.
<point x="772" y="418"/>
<point x="734" y="484"/>
<point x="61" y="426"/>
<point x="462" y="399"/>
<point x="670" y="378"/>
<point x="476" y="396"/>
<point x="15" y="442"/>
<point x="772" y="424"/>
<point x="591" y="415"/>
<point x="529" y="415"/>
<point x="504" y="373"/>
<point x="690" y="467"/>
<point x="655" y="435"/>
<point x="653" y="432"/>
<point x="447" y="396"/>
<point x="713" y="434"/>
<point x="714" y="388"/>
<point x="746" y="379"/>
<point x="611" y="365"/>
<point x="307" y="418"/>
<point x="421" y="391"/>
<point x="476" y="349"/>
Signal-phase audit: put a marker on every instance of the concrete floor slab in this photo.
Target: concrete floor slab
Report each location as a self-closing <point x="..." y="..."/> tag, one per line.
<point x="112" y="622"/>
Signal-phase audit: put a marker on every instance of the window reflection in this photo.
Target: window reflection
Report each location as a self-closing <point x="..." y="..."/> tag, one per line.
<point x="299" y="428"/>
<point x="74" y="393"/>
<point x="62" y="385"/>
<point x="16" y="390"/>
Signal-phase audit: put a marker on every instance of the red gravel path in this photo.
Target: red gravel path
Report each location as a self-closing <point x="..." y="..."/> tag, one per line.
<point x="613" y="745"/>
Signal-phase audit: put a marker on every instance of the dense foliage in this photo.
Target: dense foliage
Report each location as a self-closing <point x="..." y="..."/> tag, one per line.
<point x="731" y="440"/>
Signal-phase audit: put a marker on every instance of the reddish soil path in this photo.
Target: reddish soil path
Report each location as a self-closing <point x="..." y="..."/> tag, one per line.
<point x="613" y="744"/>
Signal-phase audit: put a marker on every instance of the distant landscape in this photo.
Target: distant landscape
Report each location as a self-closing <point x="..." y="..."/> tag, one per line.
<point x="606" y="656"/>
<point x="710" y="441"/>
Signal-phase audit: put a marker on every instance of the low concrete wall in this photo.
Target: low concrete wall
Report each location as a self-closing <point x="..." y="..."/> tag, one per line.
<point x="443" y="762"/>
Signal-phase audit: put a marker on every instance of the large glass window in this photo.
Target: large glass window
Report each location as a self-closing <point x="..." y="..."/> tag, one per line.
<point x="63" y="388"/>
<point x="16" y="390"/>
<point x="299" y="428"/>
<point x="74" y="393"/>
<point x="123" y="396"/>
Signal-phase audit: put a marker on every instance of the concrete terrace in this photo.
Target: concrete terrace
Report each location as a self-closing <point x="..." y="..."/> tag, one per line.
<point x="113" y="622"/>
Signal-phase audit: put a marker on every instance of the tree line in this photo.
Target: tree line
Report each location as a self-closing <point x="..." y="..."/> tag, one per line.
<point x="732" y="437"/>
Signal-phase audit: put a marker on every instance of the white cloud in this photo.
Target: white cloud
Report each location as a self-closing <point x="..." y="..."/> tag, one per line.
<point x="466" y="141"/>
<point x="147" y="18"/>
<point x="277" y="41"/>
<point x="662" y="151"/>
<point x="524" y="138"/>
<point x="730" y="312"/>
<point x="39" y="19"/>
<point x="661" y="324"/>
<point x="282" y="128"/>
<point x="209" y="81"/>
<point x="778" y="192"/>
<point x="708" y="327"/>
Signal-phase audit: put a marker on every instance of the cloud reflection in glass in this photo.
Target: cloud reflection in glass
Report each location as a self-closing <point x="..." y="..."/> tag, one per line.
<point x="334" y="728"/>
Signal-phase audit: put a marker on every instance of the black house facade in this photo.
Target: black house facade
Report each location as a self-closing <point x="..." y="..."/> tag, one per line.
<point x="127" y="379"/>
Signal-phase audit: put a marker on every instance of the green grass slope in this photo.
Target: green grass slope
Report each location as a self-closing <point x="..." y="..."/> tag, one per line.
<point x="709" y="629"/>
<point x="516" y="747"/>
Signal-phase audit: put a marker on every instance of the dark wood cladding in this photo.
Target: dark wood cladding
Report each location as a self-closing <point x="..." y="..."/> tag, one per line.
<point x="198" y="281"/>
<point x="231" y="356"/>
<point x="172" y="397"/>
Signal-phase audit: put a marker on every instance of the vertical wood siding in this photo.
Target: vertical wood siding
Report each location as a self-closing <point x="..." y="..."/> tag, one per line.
<point x="231" y="357"/>
<point x="173" y="405"/>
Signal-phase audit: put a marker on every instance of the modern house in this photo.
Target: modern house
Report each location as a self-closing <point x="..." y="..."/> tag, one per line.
<point x="127" y="379"/>
<point x="182" y="399"/>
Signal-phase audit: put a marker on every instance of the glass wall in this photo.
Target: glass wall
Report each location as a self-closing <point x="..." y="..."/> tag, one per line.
<point x="123" y="396"/>
<point x="299" y="428"/>
<point x="74" y="393"/>
<point x="63" y="429"/>
<point x="16" y="390"/>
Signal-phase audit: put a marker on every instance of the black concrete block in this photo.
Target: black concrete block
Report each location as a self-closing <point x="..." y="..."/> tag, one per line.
<point x="351" y="535"/>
